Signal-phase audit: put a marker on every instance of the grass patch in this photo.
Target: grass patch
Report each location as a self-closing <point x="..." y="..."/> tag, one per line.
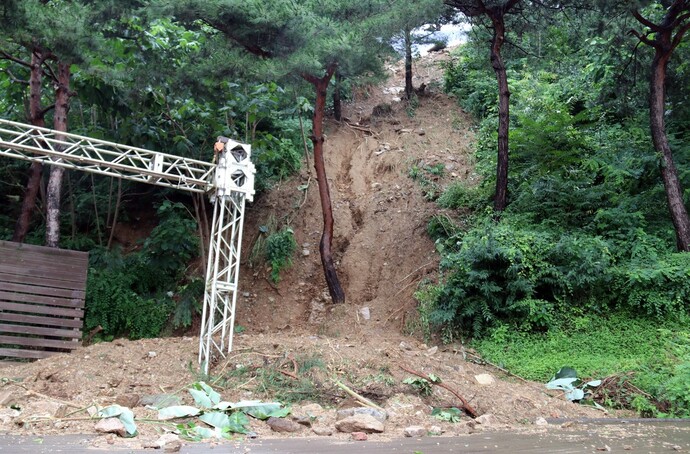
<point x="656" y="352"/>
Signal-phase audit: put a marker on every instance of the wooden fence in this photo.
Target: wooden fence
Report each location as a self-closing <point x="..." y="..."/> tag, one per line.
<point x="41" y="300"/>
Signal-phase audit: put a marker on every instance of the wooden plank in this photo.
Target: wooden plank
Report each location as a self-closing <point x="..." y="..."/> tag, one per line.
<point x="9" y="245"/>
<point x="38" y="342"/>
<point x="37" y="320"/>
<point x="10" y="258"/>
<point x="41" y="290"/>
<point x="40" y="281"/>
<point x="41" y="267"/>
<point x="47" y="300"/>
<point x="20" y="353"/>
<point x="37" y="309"/>
<point x="40" y="331"/>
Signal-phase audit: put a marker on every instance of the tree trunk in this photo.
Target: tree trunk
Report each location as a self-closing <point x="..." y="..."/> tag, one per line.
<point x="36" y="118"/>
<point x="337" y="100"/>
<point x="56" y="172"/>
<point x="669" y="173"/>
<point x="321" y="87"/>
<point x="409" y="89"/>
<point x="500" y="200"/>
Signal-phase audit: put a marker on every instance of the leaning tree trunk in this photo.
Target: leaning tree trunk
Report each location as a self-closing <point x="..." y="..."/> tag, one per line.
<point x="321" y="87"/>
<point x="669" y="173"/>
<point x="500" y="200"/>
<point x="56" y="172"/>
<point x="36" y="118"/>
<point x="409" y="88"/>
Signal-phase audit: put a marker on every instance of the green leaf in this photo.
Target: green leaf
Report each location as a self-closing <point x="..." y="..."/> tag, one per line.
<point x="562" y="383"/>
<point x="238" y="422"/>
<point x="177" y="411"/>
<point x="216" y="419"/>
<point x="266" y="410"/>
<point x="125" y="416"/>
<point x="565" y="372"/>
<point x="204" y="395"/>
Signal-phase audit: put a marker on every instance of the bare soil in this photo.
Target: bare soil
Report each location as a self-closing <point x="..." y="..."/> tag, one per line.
<point x="382" y="253"/>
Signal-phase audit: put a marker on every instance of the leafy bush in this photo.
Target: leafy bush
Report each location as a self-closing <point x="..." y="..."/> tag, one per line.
<point x="280" y="247"/>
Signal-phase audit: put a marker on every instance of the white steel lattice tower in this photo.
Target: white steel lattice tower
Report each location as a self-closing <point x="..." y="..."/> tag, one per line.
<point x="229" y="182"/>
<point x="234" y="184"/>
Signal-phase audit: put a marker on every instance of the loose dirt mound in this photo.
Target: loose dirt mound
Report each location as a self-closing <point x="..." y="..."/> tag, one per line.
<point x="294" y="340"/>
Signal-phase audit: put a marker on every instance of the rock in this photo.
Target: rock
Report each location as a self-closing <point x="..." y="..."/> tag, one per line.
<point x="246" y="294"/>
<point x="7" y="398"/>
<point x="435" y="430"/>
<point x="415" y="431"/>
<point x="127" y="400"/>
<point x="165" y="441"/>
<point x="43" y="408"/>
<point x="318" y="312"/>
<point x="541" y="421"/>
<point x="485" y="379"/>
<point x="421" y="132"/>
<point x="160" y="400"/>
<point x="365" y="313"/>
<point x="283" y="425"/>
<point x="347" y="412"/>
<point x="359" y="436"/>
<point x="486" y="420"/>
<point x="314" y="410"/>
<point x="431" y="351"/>
<point x="359" y="423"/>
<point x="302" y="420"/>
<point x="322" y="431"/>
<point x="152" y="354"/>
<point x="405" y="346"/>
<point x="8" y="414"/>
<point x="111" y="426"/>
<point x="305" y="253"/>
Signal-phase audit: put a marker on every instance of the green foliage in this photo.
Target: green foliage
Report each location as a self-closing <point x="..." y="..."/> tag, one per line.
<point x="134" y="295"/>
<point x="422" y="385"/>
<point x="280" y="247"/>
<point x="427" y="176"/>
<point x="447" y="414"/>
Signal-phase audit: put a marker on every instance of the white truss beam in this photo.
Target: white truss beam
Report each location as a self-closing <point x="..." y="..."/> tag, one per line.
<point x="229" y="183"/>
<point x="32" y="143"/>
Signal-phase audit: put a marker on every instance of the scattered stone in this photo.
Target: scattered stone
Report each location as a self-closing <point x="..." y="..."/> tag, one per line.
<point x="432" y="351"/>
<point x="305" y="253"/>
<point x="111" y="426"/>
<point x="365" y="313"/>
<point x="485" y="379"/>
<point x="415" y="431"/>
<point x="541" y="422"/>
<point x="359" y="423"/>
<point x="627" y="448"/>
<point x="8" y="414"/>
<point x="159" y="400"/>
<point x="246" y="294"/>
<point x="302" y="420"/>
<point x="127" y="400"/>
<point x="405" y="346"/>
<point x="605" y="448"/>
<point x="435" y="430"/>
<point x="283" y="425"/>
<point x="322" y="431"/>
<point x="359" y="436"/>
<point x="43" y="408"/>
<point x="164" y="441"/>
<point x="421" y="132"/>
<point x="347" y="412"/>
<point x="7" y="398"/>
<point x="152" y="354"/>
<point x="317" y="314"/>
<point x="675" y="448"/>
<point x="486" y="420"/>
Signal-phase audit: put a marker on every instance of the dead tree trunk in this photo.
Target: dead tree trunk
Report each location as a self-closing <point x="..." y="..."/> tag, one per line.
<point x="667" y="35"/>
<point x="56" y="172"/>
<point x="36" y="118"/>
<point x="321" y="87"/>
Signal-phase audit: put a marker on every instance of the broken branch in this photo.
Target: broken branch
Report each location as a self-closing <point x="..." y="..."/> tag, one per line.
<point x="359" y="398"/>
<point x="465" y="405"/>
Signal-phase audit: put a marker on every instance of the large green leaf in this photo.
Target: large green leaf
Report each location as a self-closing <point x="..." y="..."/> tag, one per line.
<point x="266" y="410"/>
<point x="216" y="419"/>
<point x="177" y="411"/>
<point x="125" y="416"/>
<point x="204" y="395"/>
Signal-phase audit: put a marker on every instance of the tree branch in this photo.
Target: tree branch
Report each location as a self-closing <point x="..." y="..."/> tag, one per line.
<point x="679" y="36"/>
<point x="647" y="23"/>
<point x="15" y="79"/>
<point x="7" y="56"/>
<point x="643" y="38"/>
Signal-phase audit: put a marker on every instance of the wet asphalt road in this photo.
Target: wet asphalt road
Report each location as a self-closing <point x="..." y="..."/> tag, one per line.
<point x="591" y="436"/>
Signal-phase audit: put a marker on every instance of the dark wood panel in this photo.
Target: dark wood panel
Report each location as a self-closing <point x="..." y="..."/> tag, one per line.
<point x="48" y="300"/>
<point x="41" y="290"/>
<point x="37" y="320"/>
<point x="12" y="258"/>
<point x="40" y="331"/>
<point x="62" y="271"/>
<point x="54" y="311"/>
<point x="39" y="280"/>
<point x="38" y="342"/>
<point x="9" y="245"/>
<point x="21" y="353"/>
